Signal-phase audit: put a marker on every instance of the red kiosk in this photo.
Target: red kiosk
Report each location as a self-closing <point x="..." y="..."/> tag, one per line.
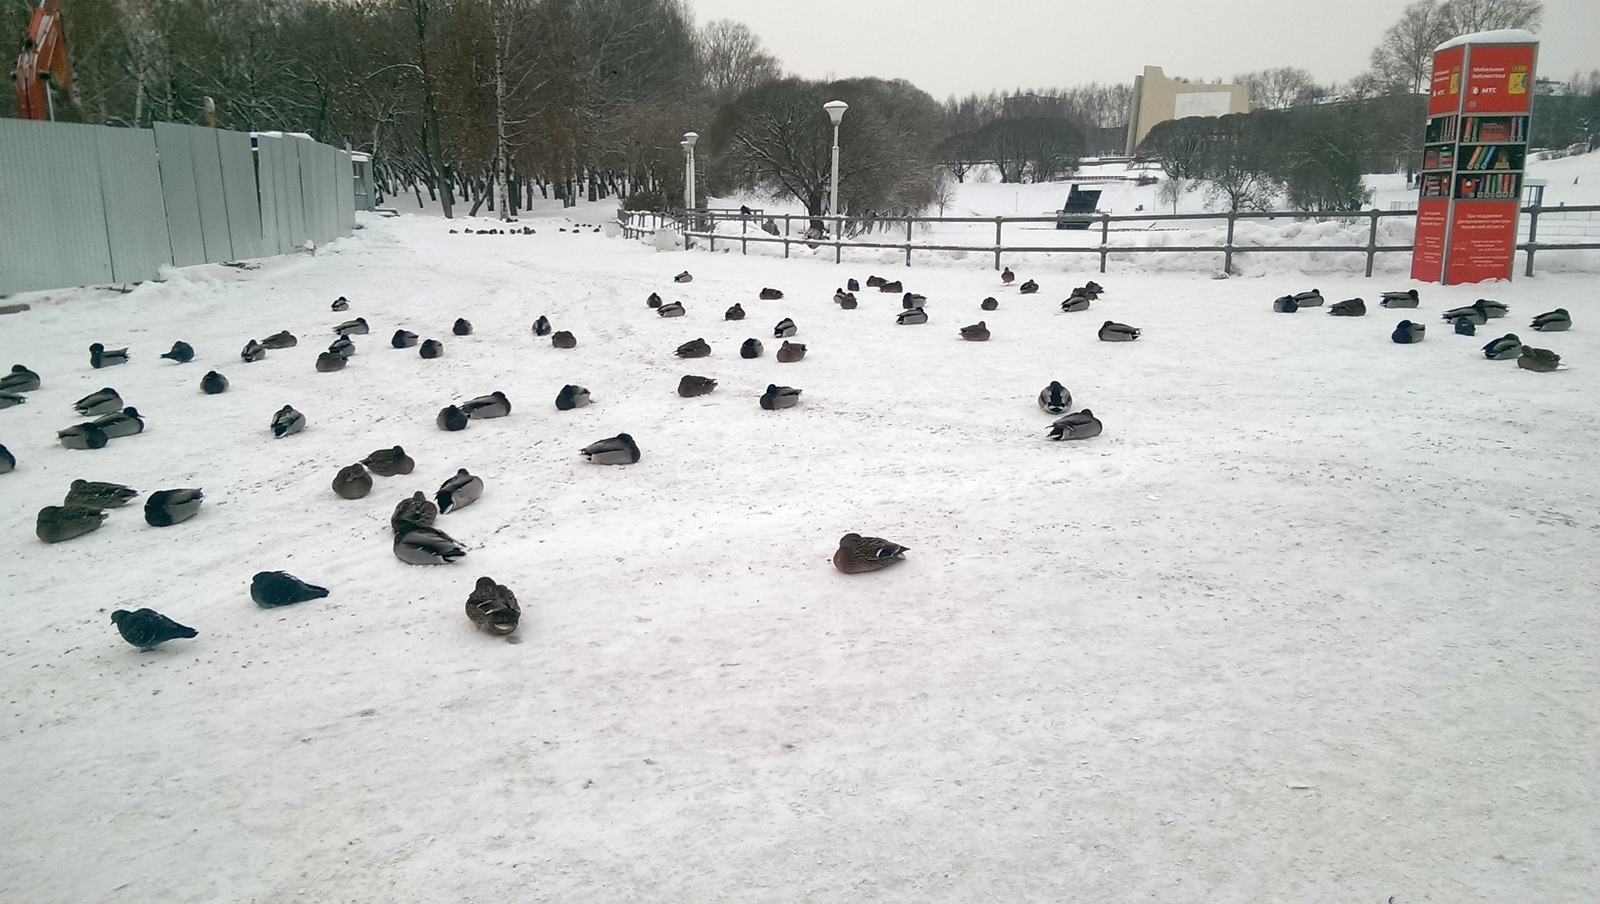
<point x="1474" y="153"/>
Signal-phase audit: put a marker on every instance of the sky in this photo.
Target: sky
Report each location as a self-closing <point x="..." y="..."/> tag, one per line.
<point x="955" y="47"/>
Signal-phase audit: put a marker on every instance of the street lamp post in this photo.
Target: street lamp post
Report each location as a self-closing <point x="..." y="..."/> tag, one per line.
<point x="835" y="110"/>
<point x="689" y="139"/>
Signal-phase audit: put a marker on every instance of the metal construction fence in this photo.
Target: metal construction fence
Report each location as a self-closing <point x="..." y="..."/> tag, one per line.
<point x="82" y="204"/>
<point x="1573" y="228"/>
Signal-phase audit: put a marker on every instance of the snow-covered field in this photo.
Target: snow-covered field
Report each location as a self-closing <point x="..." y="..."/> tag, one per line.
<point x="1314" y="619"/>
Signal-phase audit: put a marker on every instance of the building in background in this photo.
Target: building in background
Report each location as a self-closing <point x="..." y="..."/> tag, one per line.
<point x="1157" y="99"/>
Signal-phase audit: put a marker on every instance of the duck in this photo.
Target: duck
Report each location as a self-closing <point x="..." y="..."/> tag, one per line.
<point x="859" y="555"/>
<point x="1493" y="309"/>
<point x="356" y="327"/>
<point x="341" y="304"/>
<point x="287" y="422"/>
<point x="1007" y="277"/>
<point x="1112" y="331"/>
<point x="1055" y="398"/>
<point x="1075" y="303"/>
<point x="462" y="327"/>
<point x="412" y="512"/>
<point x="911" y="317"/>
<point x="427" y="546"/>
<point x="284" y="339"/>
<point x="571" y="397"/>
<point x="1311" y="299"/>
<point x="11" y="399"/>
<point x="671" y="309"/>
<point x="1350" y="307"/>
<point x="252" y="352"/>
<point x="989" y="304"/>
<point x="148" y="629"/>
<point x="1285" y="304"/>
<point x="343" y="347"/>
<point x="770" y="294"/>
<point x="431" y="348"/>
<point x="271" y="589"/>
<point x="654" y="301"/>
<point x="1407" y="332"/>
<point x="82" y="436"/>
<point x="1505" y="348"/>
<point x="875" y="282"/>
<point x="977" y="332"/>
<point x="330" y="361"/>
<point x="618" y="450"/>
<point x="790" y="352"/>
<point x="493" y="608"/>
<point x="96" y="494"/>
<point x="844" y="299"/>
<point x="100" y="356"/>
<point x="912" y="300"/>
<point x="403" y="339"/>
<point x="1406" y="299"/>
<point x="683" y="277"/>
<point x="563" y="339"/>
<point x="778" y="397"/>
<point x="389" y="462"/>
<point x="541" y="327"/>
<point x="126" y="422"/>
<point x="103" y="401"/>
<point x="1090" y="290"/>
<point x="1556" y="321"/>
<point x="459" y="491"/>
<point x="1465" y="326"/>
<point x="1095" y="288"/>
<point x="213" y="383"/>
<point x="8" y="462"/>
<point x="63" y="522"/>
<point x="1077" y="425"/>
<point x="1539" y="360"/>
<point x="493" y="405"/>
<point x="893" y="287"/>
<point x="451" y="418"/>
<point x="20" y="379"/>
<point x="784" y="329"/>
<point x="694" y="348"/>
<point x="734" y="313"/>
<point x="352" y="482"/>
<point x="182" y="352"/>
<point x="165" y="508"/>
<point x="691" y="386"/>
<point x="1473" y="312"/>
<point x="1028" y="288"/>
<point x="851" y="285"/>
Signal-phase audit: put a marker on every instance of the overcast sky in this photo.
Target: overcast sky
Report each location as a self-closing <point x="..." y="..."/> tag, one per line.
<point x="957" y="47"/>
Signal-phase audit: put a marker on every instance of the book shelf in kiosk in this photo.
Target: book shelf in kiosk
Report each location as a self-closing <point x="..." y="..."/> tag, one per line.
<point x="1474" y="158"/>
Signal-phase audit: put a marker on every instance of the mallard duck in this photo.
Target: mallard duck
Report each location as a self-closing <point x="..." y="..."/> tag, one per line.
<point x="1350" y="307"/>
<point x="271" y="589"/>
<point x="1504" y="348"/>
<point x="989" y="304"/>
<point x="95" y="404"/>
<point x="1075" y="304"/>
<point x="1094" y="288"/>
<point x="1465" y="327"/>
<point x="777" y="397"/>
<point x="1090" y="290"/>
<point x="20" y="379"/>
<point x="451" y="418"/>
<point x="911" y="317"/>
<point x="977" y="332"/>
<point x="95" y="494"/>
<point x="1311" y="299"/>
<point x="1473" y="312"/>
<point x="493" y="608"/>
<point x="11" y="399"/>
<point x="1285" y="304"/>
<point x="843" y="299"/>
<point x="790" y="352"/>
<point x="1028" y="288"/>
<point x="770" y="294"/>
<point x="100" y="356"/>
<point x="459" y="491"/>
<point x="893" y="287"/>
<point x="1007" y="277"/>
<point x="8" y="462"/>
<point x="148" y="629"/>
<point x="427" y="546"/>
<point x="462" y="327"/>
<point x="541" y="327"/>
<point x="341" y="304"/>
<point x="484" y="407"/>
<point x="1493" y="308"/>
<point x="784" y="329"/>
<point x="1112" y="331"/>
<point x="571" y="396"/>
<point x="912" y="300"/>
<point x="431" y="348"/>
<point x="1407" y="332"/>
<point x="165" y="508"/>
<point x="389" y="462"/>
<point x="858" y="554"/>
<point x="1553" y="322"/>
<point x="734" y="313"/>
<point x="683" y="277"/>
<point x="343" y="347"/>
<point x="874" y="282"/>
<point x="126" y="422"/>
<point x="213" y="383"/>
<point x="671" y="309"/>
<point x="63" y="522"/>
<point x="284" y="339"/>
<point x="654" y="301"/>
<point x="694" y="348"/>
<point x="563" y="339"/>
<point x="413" y="511"/>
<point x="691" y="386"/>
<point x="82" y="436"/>
<point x="356" y="327"/>
<point x="328" y="362"/>
<point x="252" y="352"/>
<point x="850" y="285"/>
<point x="1055" y="398"/>
<point x="618" y="450"/>
<point x="352" y="482"/>
<point x="287" y="422"/>
<point x="1541" y="360"/>
<point x="182" y="352"/>
<point x="1077" y="425"/>
<point x="1406" y="299"/>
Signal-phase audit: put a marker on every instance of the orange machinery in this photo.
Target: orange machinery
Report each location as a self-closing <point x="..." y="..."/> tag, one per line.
<point x="43" y="60"/>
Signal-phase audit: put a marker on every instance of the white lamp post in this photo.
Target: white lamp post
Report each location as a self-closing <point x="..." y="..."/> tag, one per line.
<point x="689" y="139"/>
<point x="835" y="110"/>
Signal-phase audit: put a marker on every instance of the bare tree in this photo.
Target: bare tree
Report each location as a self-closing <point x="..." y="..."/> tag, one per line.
<point x="1277" y="89"/>
<point x="731" y="59"/>
<point x="1403" y="60"/>
<point x="1467" y="16"/>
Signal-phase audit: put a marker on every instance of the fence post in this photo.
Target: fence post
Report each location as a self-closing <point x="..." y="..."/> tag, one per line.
<point x="711" y="221"/>
<point x="998" y="223"/>
<point x="744" y="229"/>
<point x="908" y="241"/>
<point x="1227" y="248"/>
<point x="1372" y="240"/>
<point x="1533" y="235"/>
<point x="1105" y="237"/>
<point x="786" y="235"/>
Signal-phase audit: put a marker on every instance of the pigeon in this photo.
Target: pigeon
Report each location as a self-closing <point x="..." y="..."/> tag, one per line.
<point x="1406" y="299"/>
<point x="342" y="347"/>
<point x="148" y="629"/>
<point x="284" y="339"/>
<point x="564" y="339"/>
<point x="671" y="309"/>
<point x="352" y="482"/>
<point x="95" y="494"/>
<point x="777" y="397"/>
<point x="287" y="422"/>
<point x="493" y="405"/>
<point x="989" y="304"/>
<point x="913" y="316"/>
<point x="1493" y="308"/>
<point x="252" y="352"/>
<point x="412" y="512"/>
<point x="1077" y="425"/>
<point x="977" y="332"/>
<point x="683" y="277"/>
<point x="462" y="327"/>
<point x="893" y="288"/>
<point x="751" y="348"/>
<point x="329" y="361"/>
<point x="100" y="356"/>
<point x="694" y="348"/>
<point x="851" y="285"/>
<point x="493" y="608"/>
<point x="1028" y="288"/>
<point x="1007" y="277"/>
<point x="97" y="403"/>
<point x="1473" y="313"/>
<point x="271" y="589"/>
<point x="1505" y="348"/>
<point x="451" y="419"/>
<point x="120" y="423"/>
<point x="691" y="386"/>
<point x="1539" y="360"/>
<point x="1075" y="304"/>
<point x="431" y="348"/>
<point x="356" y="327"/>
<point x="654" y="301"/>
<point x="1286" y="305"/>
<point x="63" y="522"/>
<point x="427" y="546"/>
<point x="859" y="555"/>
<point x="571" y="397"/>
<point x="164" y="508"/>
<point x="1311" y="299"/>
<point x="459" y="491"/>
<point x="1055" y="398"/>
<point x="403" y="339"/>
<point x="1465" y="326"/>
<point x="770" y="294"/>
<point x="1111" y="331"/>
<point x="10" y="399"/>
<point x="1350" y="307"/>
<point x="784" y="329"/>
<point x="541" y="327"/>
<point x="734" y="313"/>
<point x="82" y="436"/>
<point x="912" y="300"/>
<point x="8" y="462"/>
<point x="618" y="450"/>
<point x="213" y="383"/>
<point x="20" y="379"/>
<point x="341" y="304"/>
<point x="790" y="352"/>
<point x="389" y="462"/>
<point x="182" y="352"/>
<point x="1406" y="332"/>
<point x="875" y="282"/>
<point x="1556" y="321"/>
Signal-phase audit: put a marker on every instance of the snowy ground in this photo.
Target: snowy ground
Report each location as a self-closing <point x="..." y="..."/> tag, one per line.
<point x="1314" y="620"/>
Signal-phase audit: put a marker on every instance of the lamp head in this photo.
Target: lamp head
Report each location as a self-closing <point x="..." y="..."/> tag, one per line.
<point x="689" y="138"/>
<point x="835" y="109"/>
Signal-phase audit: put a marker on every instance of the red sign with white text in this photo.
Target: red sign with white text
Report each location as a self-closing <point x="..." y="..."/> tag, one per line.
<point x="1427" y="255"/>
<point x="1445" y="94"/>
<point x="1483" y="237"/>
<point x="1499" y="78"/>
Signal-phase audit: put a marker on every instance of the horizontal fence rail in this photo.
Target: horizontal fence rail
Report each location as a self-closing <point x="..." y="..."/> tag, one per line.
<point x="713" y="226"/>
